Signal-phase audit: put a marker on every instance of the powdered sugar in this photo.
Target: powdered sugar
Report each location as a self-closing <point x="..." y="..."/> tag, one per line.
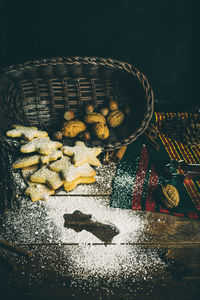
<point x="129" y="224"/>
<point x="44" y="175"/>
<point x="93" y="262"/>
<point x="102" y="186"/>
<point x="69" y="172"/>
<point x="42" y="145"/>
<point x="81" y="256"/>
<point x="26" y="132"/>
<point x="82" y="154"/>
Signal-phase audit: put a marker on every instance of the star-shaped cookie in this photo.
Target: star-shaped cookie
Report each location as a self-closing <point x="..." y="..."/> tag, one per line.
<point x="69" y="186"/>
<point x="44" y="175"/>
<point x="28" y="133"/>
<point x="53" y="155"/>
<point x="42" y="145"/>
<point x="68" y="172"/>
<point x="82" y="154"/>
<point x="39" y="191"/>
<point x="31" y="160"/>
<point x="26" y="161"/>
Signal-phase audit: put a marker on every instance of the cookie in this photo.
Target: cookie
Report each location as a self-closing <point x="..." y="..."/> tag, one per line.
<point x="53" y="155"/>
<point x="26" y="161"/>
<point x="68" y="172"/>
<point x="44" y="175"/>
<point x="28" y="171"/>
<point x="82" y="154"/>
<point x="27" y="133"/>
<point x="61" y="166"/>
<point x="69" y="186"/>
<point x="42" y="145"/>
<point x="39" y="192"/>
<point x="31" y="160"/>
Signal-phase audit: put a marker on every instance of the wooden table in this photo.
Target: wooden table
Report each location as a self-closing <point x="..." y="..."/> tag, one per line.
<point x="163" y="252"/>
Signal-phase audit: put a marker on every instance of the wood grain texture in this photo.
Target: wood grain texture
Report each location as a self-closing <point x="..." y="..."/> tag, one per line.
<point x="180" y="279"/>
<point x="48" y="274"/>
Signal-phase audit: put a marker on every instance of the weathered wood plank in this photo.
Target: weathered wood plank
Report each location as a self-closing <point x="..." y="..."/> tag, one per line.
<point x="143" y="242"/>
<point x="56" y="273"/>
<point x="43" y="222"/>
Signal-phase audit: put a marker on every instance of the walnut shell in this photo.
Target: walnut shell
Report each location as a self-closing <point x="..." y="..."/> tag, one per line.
<point x="94" y="117"/>
<point x="115" y="118"/>
<point x="101" y="131"/>
<point x="73" y="128"/>
<point x="169" y="196"/>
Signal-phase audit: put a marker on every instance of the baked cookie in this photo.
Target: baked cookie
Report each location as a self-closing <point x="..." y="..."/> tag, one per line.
<point x="53" y="155"/>
<point x="31" y="160"/>
<point x="61" y="166"/>
<point x="42" y="145"/>
<point x="27" y="133"/>
<point x="69" y="186"/>
<point x="82" y="154"/>
<point x="28" y="171"/>
<point x="68" y="172"/>
<point x="26" y="161"/>
<point x="39" y="191"/>
<point x="44" y="175"/>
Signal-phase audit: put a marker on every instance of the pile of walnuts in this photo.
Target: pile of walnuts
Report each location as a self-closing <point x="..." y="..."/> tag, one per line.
<point x="92" y="123"/>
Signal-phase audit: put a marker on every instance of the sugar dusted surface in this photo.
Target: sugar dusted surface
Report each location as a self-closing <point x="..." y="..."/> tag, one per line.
<point x="44" y="175"/>
<point x="69" y="172"/>
<point x="38" y="192"/>
<point x="82" y="154"/>
<point x="26" y="161"/>
<point x="43" y="145"/>
<point x="26" y="132"/>
<point x="80" y="255"/>
<point x="83" y="171"/>
<point x="102" y="186"/>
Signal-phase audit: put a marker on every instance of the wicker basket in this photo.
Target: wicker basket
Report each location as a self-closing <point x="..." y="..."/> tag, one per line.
<point x="37" y="93"/>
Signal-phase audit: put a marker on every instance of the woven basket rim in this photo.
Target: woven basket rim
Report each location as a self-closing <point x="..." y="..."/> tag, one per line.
<point x="17" y="69"/>
<point x="66" y="60"/>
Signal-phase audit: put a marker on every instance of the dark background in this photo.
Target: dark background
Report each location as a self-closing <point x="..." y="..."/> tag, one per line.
<point x="160" y="37"/>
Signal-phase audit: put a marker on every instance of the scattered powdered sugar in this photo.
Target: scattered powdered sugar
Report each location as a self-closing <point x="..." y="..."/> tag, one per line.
<point x="81" y="154"/>
<point x="80" y="258"/>
<point x="129" y="224"/>
<point x="112" y="266"/>
<point x="104" y="176"/>
<point x="94" y="261"/>
<point x="74" y="172"/>
<point x="124" y="180"/>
